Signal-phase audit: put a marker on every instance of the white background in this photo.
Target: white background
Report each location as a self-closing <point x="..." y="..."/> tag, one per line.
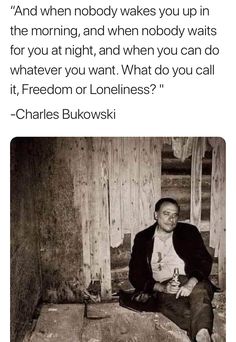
<point x="187" y="106"/>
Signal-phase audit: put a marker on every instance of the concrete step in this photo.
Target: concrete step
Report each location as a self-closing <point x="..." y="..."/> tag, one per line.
<point x="109" y="322"/>
<point x="59" y="323"/>
<point x="124" y="325"/>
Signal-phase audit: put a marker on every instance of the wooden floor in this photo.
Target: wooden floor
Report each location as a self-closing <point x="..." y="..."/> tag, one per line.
<point x="107" y="322"/>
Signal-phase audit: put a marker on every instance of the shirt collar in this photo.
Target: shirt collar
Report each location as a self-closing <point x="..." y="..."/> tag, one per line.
<point x="155" y="234"/>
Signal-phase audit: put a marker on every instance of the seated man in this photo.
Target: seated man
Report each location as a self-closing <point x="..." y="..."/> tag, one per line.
<point x="166" y="246"/>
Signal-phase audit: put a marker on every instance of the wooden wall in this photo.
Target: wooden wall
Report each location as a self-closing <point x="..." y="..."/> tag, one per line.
<point x="92" y="195"/>
<point x="92" y="192"/>
<point x="218" y="202"/>
<point x="116" y="183"/>
<point x="179" y="176"/>
<point x="120" y="179"/>
<point x="26" y="282"/>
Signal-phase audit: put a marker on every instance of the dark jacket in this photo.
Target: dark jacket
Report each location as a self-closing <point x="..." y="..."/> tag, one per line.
<point x="188" y="245"/>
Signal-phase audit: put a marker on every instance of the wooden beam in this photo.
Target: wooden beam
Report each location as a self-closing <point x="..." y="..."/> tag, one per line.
<point x="114" y="155"/>
<point x="146" y="194"/>
<point x="81" y="202"/>
<point x="196" y="182"/>
<point x="134" y="158"/>
<point x="150" y="178"/>
<point x="105" y="261"/>
<point x="94" y="200"/>
<point x="222" y="261"/>
<point x="218" y="220"/>
<point x="125" y="186"/>
<point x="156" y="148"/>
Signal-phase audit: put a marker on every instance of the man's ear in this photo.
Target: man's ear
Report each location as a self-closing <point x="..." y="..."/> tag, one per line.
<point x="155" y="215"/>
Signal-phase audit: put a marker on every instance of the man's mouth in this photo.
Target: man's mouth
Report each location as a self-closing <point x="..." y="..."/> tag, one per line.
<point x="170" y="225"/>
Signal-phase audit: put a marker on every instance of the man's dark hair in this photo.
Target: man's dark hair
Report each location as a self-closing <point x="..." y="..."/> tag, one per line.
<point x="166" y="200"/>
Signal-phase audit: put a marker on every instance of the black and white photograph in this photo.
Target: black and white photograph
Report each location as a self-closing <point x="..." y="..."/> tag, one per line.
<point x="118" y="239"/>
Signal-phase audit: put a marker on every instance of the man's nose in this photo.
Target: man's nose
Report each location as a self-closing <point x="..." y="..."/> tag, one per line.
<point x="171" y="218"/>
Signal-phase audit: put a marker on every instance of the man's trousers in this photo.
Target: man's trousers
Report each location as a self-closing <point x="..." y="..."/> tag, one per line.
<point x="190" y="313"/>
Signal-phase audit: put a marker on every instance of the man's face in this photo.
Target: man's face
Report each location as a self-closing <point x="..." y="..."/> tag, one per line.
<point x="167" y="217"/>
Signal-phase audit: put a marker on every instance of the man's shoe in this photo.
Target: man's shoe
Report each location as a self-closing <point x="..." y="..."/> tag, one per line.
<point x="203" y="336"/>
<point x="216" y="338"/>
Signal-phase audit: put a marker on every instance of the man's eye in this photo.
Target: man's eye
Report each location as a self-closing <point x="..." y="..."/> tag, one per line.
<point x="168" y="214"/>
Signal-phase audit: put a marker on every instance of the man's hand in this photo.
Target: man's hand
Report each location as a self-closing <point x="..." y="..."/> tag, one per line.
<point x="186" y="289"/>
<point x="141" y="297"/>
<point x="171" y="287"/>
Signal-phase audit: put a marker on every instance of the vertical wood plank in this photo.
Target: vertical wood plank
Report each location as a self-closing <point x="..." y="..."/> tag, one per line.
<point x="115" y="196"/>
<point x="125" y="186"/>
<point x="81" y="202"/>
<point x="104" y="222"/>
<point x="134" y="154"/>
<point x="95" y="199"/>
<point x="150" y="178"/>
<point x="196" y="182"/>
<point x="222" y="261"/>
<point x="156" y="147"/>
<point x="146" y="194"/>
<point x="217" y="220"/>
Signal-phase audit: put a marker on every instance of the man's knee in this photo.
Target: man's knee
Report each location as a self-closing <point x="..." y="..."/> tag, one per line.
<point x="202" y="290"/>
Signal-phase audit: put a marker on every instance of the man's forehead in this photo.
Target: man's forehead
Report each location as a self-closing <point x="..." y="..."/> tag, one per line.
<point x="171" y="207"/>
